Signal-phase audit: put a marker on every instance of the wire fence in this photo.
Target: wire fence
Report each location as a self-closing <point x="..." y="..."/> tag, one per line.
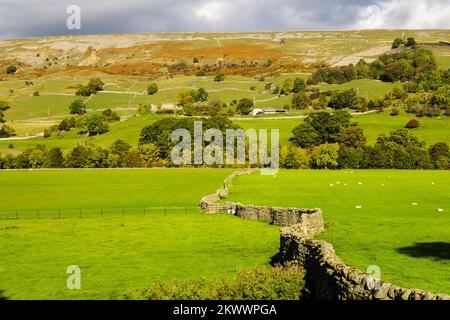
<point x="37" y="214"/>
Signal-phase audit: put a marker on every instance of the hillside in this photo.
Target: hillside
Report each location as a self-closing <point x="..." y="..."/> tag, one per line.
<point x="234" y="53"/>
<point x="50" y="69"/>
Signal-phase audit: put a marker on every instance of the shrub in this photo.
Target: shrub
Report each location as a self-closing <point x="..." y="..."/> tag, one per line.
<point x="152" y="89"/>
<point x="305" y="136"/>
<point x="201" y="95"/>
<point x="77" y="107"/>
<point x="3" y="107"/>
<point x="219" y="77"/>
<point x="397" y="43"/>
<point x="110" y="116"/>
<point x="244" y="106"/>
<point x="299" y="85"/>
<point x="55" y="158"/>
<point x="300" y="101"/>
<point x="11" y="69"/>
<point x="47" y="133"/>
<point x="95" y="84"/>
<point x="410" y="42"/>
<point x="214" y="107"/>
<point x="256" y="284"/>
<point x="294" y="158"/>
<point x="320" y="127"/>
<point x="395" y="112"/>
<point x="77" y="157"/>
<point x="400" y="150"/>
<point x="67" y="124"/>
<point x="96" y="125"/>
<point x="200" y="73"/>
<point x="438" y="152"/>
<point x="84" y="91"/>
<point x="325" y="156"/>
<point x="179" y="67"/>
<point x="412" y="124"/>
<point x="6" y="131"/>
<point x="343" y="99"/>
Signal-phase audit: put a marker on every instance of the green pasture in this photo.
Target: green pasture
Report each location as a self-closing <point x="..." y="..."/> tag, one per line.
<point x="127" y="247"/>
<point x="443" y="62"/>
<point x="366" y="88"/>
<point x="284" y="126"/>
<point x="45" y="106"/>
<point x="431" y="130"/>
<point x="128" y="131"/>
<point x="397" y="228"/>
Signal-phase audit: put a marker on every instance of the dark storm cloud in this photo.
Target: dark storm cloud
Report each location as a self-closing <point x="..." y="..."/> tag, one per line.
<point x="48" y="17"/>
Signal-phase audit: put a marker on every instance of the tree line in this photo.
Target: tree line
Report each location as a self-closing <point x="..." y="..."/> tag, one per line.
<point x="331" y="141"/>
<point x="405" y="65"/>
<point x="323" y="141"/>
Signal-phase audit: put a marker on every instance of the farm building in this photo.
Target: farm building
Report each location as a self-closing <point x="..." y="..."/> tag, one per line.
<point x="258" y="111"/>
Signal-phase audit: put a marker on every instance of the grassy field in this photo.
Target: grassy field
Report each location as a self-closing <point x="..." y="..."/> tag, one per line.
<point x="128" y="131"/>
<point x="284" y="125"/>
<point x="366" y="88"/>
<point x="126" y="228"/>
<point x="31" y="115"/>
<point x="410" y="243"/>
<point x="117" y="252"/>
<point x="432" y="130"/>
<point x="56" y="94"/>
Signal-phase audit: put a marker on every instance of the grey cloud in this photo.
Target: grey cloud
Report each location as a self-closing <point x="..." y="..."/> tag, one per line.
<point x="20" y="18"/>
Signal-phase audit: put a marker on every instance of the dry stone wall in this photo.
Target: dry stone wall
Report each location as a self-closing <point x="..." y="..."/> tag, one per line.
<point x="327" y="276"/>
<point x="307" y="221"/>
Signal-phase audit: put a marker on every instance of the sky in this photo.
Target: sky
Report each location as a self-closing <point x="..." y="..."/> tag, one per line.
<point x="25" y="18"/>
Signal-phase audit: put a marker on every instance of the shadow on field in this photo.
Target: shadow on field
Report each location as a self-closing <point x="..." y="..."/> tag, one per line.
<point x="2" y="297"/>
<point x="275" y="260"/>
<point x="436" y="250"/>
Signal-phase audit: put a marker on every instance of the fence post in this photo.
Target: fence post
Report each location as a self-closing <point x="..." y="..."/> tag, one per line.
<point x="165" y="211"/>
<point x="101" y="212"/>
